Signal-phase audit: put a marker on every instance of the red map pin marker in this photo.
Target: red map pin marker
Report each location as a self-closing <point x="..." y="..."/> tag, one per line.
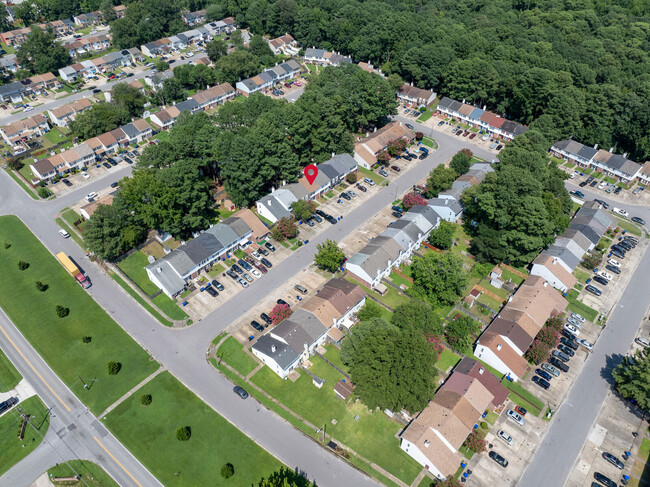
<point x="311" y="172"/>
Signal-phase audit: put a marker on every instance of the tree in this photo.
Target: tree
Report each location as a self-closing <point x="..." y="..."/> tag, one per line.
<point x="351" y="178"/>
<point x="395" y="81"/>
<point x="443" y="236"/>
<point x="370" y="310"/>
<point x="40" y="286"/>
<point x="260" y="48"/>
<point x="462" y="332"/>
<point x="62" y="311"/>
<point x="239" y="64"/>
<point x="417" y="316"/>
<point x="105" y="231"/>
<point x="145" y="399"/>
<point x="44" y="193"/>
<point x="215" y="49"/>
<point x="461" y="162"/>
<point x="475" y="442"/>
<point x="303" y="209"/>
<point x="632" y="377"/>
<point x="4" y="19"/>
<point x="591" y="260"/>
<point x="227" y="471"/>
<point x="284" y="229"/>
<point x="280" y="312"/>
<point x="237" y="39"/>
<point x="130" y="98"/>
<point x="285" y="477"/>
<point x="171" y="91"/>
<point x="440" y="179"/>
<point x="412" y="199"/>
<point x="329" y="256"/>
<point x="183" y="433"/>
<point x="100" y="118"/>
<point x="40" y="53"/>
<point x="22" y="265"/>
<point x="391" y="368"/>
<point x="439" y="279"/>
<point x="114" y="368"/>
<point x="160" y="65"/>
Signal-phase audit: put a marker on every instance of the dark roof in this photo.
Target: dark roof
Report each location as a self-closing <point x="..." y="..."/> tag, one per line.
<point x="587" y="231"/>
<point x="187" y="105"/>
<point x="455" y="106"/>
<point x="445" y="102"/>
<point x="513" y="331"/>
<point x="202" y="247"/>
<point x="279" y="351"/>
<point x="473" y="368"/>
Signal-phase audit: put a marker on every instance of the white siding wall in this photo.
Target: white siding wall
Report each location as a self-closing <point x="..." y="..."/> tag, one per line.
<point x="539" y="270"/>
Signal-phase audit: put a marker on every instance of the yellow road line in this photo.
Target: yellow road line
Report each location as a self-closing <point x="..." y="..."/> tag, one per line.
<point x="116" y="461"/>
<point x="35" y="371"/>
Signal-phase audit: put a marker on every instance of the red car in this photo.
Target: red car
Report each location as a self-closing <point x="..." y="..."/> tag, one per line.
<point x="521" y="410"/>
<point x="288" y="85"/>
<point x="466" y="133"/>
<point x="395" y="168"/>
<point x="472" y="136"/>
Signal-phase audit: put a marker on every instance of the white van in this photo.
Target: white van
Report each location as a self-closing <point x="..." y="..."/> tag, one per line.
<point x="91" y="196"/>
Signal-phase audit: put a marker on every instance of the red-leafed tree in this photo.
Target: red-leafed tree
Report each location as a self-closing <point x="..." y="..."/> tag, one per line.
<point x="537" y="352"/>
<point x="280" y="312"/>
<point x="449" y="482"/>
<point x="284" y="228"/>
<point x="475" y="442"/>
<point x="419" y="135"/>
<point x="549" y="336"/>
<point x="468" y="152"/>
<point x="436" y="344"/>
<point x="410" y="200"/>
<point x="383" y="157"/>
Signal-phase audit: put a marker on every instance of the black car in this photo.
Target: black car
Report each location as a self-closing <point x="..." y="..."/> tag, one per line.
<point x="5" y="405"/>
<point x="282" y="301"/>
<point x="593" y="183"/>
<point x="237" y="269"/>
<point x="257" y="326"/>
<point x="568" y="351"/>
<point x="541" y="382"/>
<point x="112" y="161"/>
<point x="396" y="215"/>
<point x="613" y="269"/>
<point x="244" y="264"/>
<point x="331" y="219"/>
<point x="106" y="165"/>
<point x="230" y="273"/>
<point x="606" y="481"/>
<point x="114" y="185"/>
<point x="217" y="284"/>
<point x="130" y="75"/>
<point x="583" y="184"/>
<point x="631" y="239"/>
<point x="396" y="208"/>
<point x="265" y="318"/>
<point x="590" y="179"/>
<point x="601" y="280"/>
<point x="211" y="291"/>
<point x="409" y="126"/>
<point x="568" y="334"/>
<point x="627" y="244"/>
<point x="128" y="160"/>
<point x="593" y="290"/>
<point x="321" y="213"/>
<point x="266" y="262"/>
<point x="407" y="157"/>
<point x="345" y="196"/>
<point x="499" y="459"/>
<point x="269" y="246"/>
<point x="559" y="364"/>
<point x="499" y="147"/>
<point x="569" y="343"/>
<point x="618" y="190"/>
<point x="97" y="90"/>
<point x="441" y="122"/>
<point x="241" y="392"/>
<point x="317" y="218"/>
<point x="309" y="222"/>
<point x="543" y="374"/>
<point x="613" y="460"/>
<point x="135" y="151"/>
<point x="603" y="203"/>
<point x="618" y="253"/>
<point x="423" y="156"/>
<point x="263" y="251"/>
<point x="561" y="355"/>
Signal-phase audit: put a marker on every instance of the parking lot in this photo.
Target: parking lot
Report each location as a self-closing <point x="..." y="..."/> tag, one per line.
<point x="636" y="195"/>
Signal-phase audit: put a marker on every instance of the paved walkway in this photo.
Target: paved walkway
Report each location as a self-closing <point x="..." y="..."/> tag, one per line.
<point x="128" y="394"/>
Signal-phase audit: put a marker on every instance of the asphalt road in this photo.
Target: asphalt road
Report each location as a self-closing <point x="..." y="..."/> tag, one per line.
<point x="574" y="419"/>
<point x="5" y="120"/>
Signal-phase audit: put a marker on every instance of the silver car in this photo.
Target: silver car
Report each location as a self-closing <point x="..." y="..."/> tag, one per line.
<point x="247" y="277"/>
<point x="578" y="317"/>
<point x="505" y="437"/>
<point x="516" y="417"/>
<point x="242" y="282"/>
<point x="574" y="322"/>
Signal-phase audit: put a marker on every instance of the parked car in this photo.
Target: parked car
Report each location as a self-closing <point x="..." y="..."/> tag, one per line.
<point x="618" y="254"/>
<point x="106" y="165"/>
<point x="543" y="374"/>
<point x="395" y="168"/>
<point x="266" y="319"/>
<point x="574" y="322"/>
<point x="593" y="183"/>
<point x="64" y="234"/>
<point x="237" y="269"/>
<point x="263" y="251"/>
<point x="631" y="238"/>
<point x="551" y="370"/>
<point x="602" y="184"/>
<point x="244" y="264"/>
<point x="610" y="188"/>
<point x="499" y="459"/>
<point x="396" y="208"/>
<point x="266" y="262"/>
<point x="346" y="196"/>
<point x="614" y="263"/>
<point x="396" y="214"/>
<point x="260" y="268"/>
<point x="604" y="204"/>
<point x="282" y="301"/>
<point x="593" y="290"/>
<point x="8" y="404"/>
<point x="516" y="417"/>
<point x="584" y="343"/>
<point x="505" y="437"/>
<point x="605" y="275"/>
<point x="521" y="410"/>
<point x="257" y="326"/>
<point x="231" y="274"/>
<point x="566" y="350"/>
<point x="544" y="384"/>
<point x="300" y="289"/>
<point x="114" y="185"/>
<point x="578" y="317"/>
<point x="247" y="277"/>
<point x="317" y="218"/>
<point x="351" y="193"/>
<point x="217" y="284"/>
<point x="66" y="182"/>
<point x="568" y="334"/>
<point x="613" y="269"/>
<point x="242" y="283"/>
<point x="362" y="188"/>
<point x="583" y="184"/>
<point x="606" y="481"/>
<point x="561" y="355"/>
<point x="211" y="291"/>
<point x="618" y="189"/>
<point x="369" y="181"/>
<point x="269" y="246"/>
<point x="559" y="364"/>
<point x="472" y="136"/>
<point x="627" y="246"/>
<point x="441" y="122"/>
<point x="569" y="343"/>
<point x="573" y="329"/>
<point x="383" y="173"/>
<point x="241" y="392"/>
<point x="601" y="280"/>
<point x="619" y="211"/>
<point x="642" y="341"/>
<point x="255" y="273"/>
<point x="613" y="460"/>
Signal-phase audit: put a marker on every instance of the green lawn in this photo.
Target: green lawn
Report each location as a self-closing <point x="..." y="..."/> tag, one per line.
<point x="169" y="307"/>
<point x="629" y="227"/>
<point x="447" y="359"/>
<point x="576" y="306"/>
<point x="8" y="49"/>
<point x="429" y="142"/>
<point x="133" y="266"/>
<point x="22" y="184"/>
<point x="216" y="271"/>
<point x="232" y="352"/>
<point x="523" y="397"/>
<point x="13" y="449"/>
<point x="366" y="173"/>
<point x="581" y="276"/>
<point x="163" y="136"/>
<point x="491" y="417"/>
<point x="371" y="437"/>
<point x="399" y="280"/>
<point x="426" y="115"/>
<point x="55" y="136"/>
<point x="58" y="340"/>
<point x="9" y="376"/>
<point x="149" y="432"/>
<point x="511" y="276"/>
<point x="91" y="475"/>
<point x="144" y="303"/>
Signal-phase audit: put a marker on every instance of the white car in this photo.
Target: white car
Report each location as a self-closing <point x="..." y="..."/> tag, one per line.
<point x="505" y="437"/>
<point x="614" y="262"/>
<point x="516" y="417"/>
<point x="618" y="211"/>
<point x="256" y="255"/>
<point x="604" y="275"/>
<point x="578" y="317"/>
<point x="584" y="343"/>
<point x="28" y="109"/>
<point x="189" y="54"/>
<point x="643" y="342"/>
<point x="85" y="175"/>
<point x="91" y="196"/>
<point x="64" y="234"/>
<point x="572" y="329"/>
<point x="602" y="185"/>
<point x="256" y="273"/>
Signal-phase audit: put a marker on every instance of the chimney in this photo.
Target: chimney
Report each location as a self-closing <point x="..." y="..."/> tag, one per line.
<point x="427" y="443"/>
<point x="595" y="146"/>
<point x="159" y="270"/>
<point x="499" y="346"/>
<point x="463" y="100"/>
<point x="272" y="348"/>
<point x="333" y="154"/>
<point x="545" y="283"/>
<point x="481" y="370"/>
<point x="269" y="202"/>
<point x="611" y="149"/>
<point x="484" y="107"/>
<point x="625" y="155"/>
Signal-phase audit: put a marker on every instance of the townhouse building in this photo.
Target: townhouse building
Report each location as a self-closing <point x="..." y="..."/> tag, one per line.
<point x="325" y="58"/>
<point x="285" y="44"/>
<point x="367" y="149"/>
<point x="415" y="97"/>
<point x="63" y="115"/>
<point x="194" y="18"/>
<point x="31" y="127"/>
<point x="75" y="158"/>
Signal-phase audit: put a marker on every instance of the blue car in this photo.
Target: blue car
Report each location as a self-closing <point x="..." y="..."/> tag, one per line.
<point x="543" y="374"/>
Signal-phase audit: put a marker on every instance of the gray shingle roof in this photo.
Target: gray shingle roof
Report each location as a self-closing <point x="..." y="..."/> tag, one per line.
<point x="445" y="102"/>
<point x="279" y="351"/>
<point x="187" y="105"/>
<point x="167" y="277"/>
<point x="310" y="323"/>
<point x="587" y="231"/>
<point x="276" y="209"/>
<point x="564" y="254"/>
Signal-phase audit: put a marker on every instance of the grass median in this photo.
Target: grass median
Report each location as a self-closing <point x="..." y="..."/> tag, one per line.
<point x="91" y="475"/>
<point x="59" y="340"/>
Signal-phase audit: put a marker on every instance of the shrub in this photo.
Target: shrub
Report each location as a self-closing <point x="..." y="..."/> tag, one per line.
<point x="145" y="399"/>
<point x="40" y="286"/>
<point x="114" y="368"/>
<point x="87" y="339"/>
<point x="351" y="178"/>
<point x="279" y="313"/>
<point x="44" y="192"/>
<point x="410" y="200"/>
<point x="475" y="442"/>
<point x="6" y="245"/>
<point x="62" y="312"/>
<point x="383" y="157"/>
<point x="419" y="135"/>
<point x="484" y="425"/>
<point x="22" y="265"/>
<point x="227" y="471"/>
<point x="15" y="164"/>
<point x="183" y="433"/>
<point x="284" y="228"/>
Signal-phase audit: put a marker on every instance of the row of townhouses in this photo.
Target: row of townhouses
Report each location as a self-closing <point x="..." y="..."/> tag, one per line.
<point x="613" y="165"/>
<point x="91" y="67"/>
<point x="285" y="346"/>
<point x="278" y="203"/>
<point x="84" y="45"/>
<point x="285" y="44"/>
<point x="270" y="77"/>
<point x="96" y="17"/>
<point x="174" y="271"/>
<point x="322" y="57"/>
<point x="481" y="118"/>
<point x="63" y="115"/>
<point x="367" y="149"/>
<point x="34" y="126"/>
<point x="188" y="38"/>
<point x="38" y="84"/>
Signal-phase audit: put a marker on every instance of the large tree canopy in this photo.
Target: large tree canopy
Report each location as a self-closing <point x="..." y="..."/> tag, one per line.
<point x="40" y="53"/>
<point x="632" y="378"/>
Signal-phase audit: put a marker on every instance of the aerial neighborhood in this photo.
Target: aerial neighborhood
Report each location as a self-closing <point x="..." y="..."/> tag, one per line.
<point x="297" y="244"/>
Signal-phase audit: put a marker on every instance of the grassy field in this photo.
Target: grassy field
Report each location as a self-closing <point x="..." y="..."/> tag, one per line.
<point x="365" y="173"/>
<point x="149" y="432"/>
<point x="523" y="397"/>
<point x="9" y="376"/>
<point x="576" y="306"/>
<point x="629" y="227"/>
<point x="144" y="303"/>
<point x="133" y="266"/>
<point x="58" y="340"/>
<point x="447" y="359"/>
<point x="12" y="448"/>
<point x="371" y="437"/>
<point x="91" y="475"/>
<point x="232" y="352"/>
<point x="169" y="307"/>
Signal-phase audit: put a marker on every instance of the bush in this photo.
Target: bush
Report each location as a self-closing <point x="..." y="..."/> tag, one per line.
<point x="183" y="433"/>
<point x="419" y="135"/>
<point x="44" y="192"/>
<point x="87" y="339"/>
<point x="484" y="425"/>
<point x="40" y="286"/>
<point x="15" y="164"/>
<point x="280" y="312"/>
<point x="145" y="399"/>
<point x="62" y="312"/>
<point x="284" y="228"/>
<point x="114" y="368"/>
<point x="411" y="199"/>
<point x="6" y="245"/>
<point x="351" y="178"/>
<point x="475" y="442"/>
<point x="22" y="265"/>
<point x="227" y="471"/>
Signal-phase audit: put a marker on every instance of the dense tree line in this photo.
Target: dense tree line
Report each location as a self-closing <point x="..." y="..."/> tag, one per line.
<point x="520" y="207"/>
<point x="40" y="53"/>
<point x="568" y="68"/>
